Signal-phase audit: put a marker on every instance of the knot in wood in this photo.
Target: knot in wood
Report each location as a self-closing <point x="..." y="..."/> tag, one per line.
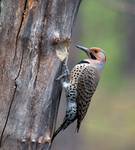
<point x="58" y="40"/>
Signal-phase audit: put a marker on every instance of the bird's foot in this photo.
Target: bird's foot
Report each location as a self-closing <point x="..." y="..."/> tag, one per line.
<point x="65" y="73"/>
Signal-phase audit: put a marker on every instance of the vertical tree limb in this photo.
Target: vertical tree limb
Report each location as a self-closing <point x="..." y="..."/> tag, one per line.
<point x="35" y="35"/>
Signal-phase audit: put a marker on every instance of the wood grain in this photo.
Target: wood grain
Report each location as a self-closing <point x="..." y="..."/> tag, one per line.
<point x="29" y="65"/>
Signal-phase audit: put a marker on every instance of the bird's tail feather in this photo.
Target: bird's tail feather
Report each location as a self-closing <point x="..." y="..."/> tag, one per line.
<point x="78" y="127"/>
<point x="63" y="126"/>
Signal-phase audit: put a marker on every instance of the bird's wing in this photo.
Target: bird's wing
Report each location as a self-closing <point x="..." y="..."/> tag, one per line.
<point x="87" y="83"/>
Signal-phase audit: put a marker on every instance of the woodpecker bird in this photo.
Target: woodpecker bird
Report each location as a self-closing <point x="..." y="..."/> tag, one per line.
<point x="81" y="85"/>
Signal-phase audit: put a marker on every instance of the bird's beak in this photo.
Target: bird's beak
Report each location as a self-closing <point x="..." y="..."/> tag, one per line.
<point x="86" y="50"/>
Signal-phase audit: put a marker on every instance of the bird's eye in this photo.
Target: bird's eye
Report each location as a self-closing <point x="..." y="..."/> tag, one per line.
<point x="95" y="51"/>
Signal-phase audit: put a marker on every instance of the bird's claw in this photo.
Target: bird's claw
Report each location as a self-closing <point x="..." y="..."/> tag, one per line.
<point x="60" y="77"/>
<point x="65" y="74"/>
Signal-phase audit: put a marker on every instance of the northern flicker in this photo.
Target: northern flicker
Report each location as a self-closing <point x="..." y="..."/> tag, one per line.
<point x="81" y="85"/>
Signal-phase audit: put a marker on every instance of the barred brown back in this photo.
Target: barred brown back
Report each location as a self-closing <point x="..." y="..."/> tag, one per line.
<point x="87" y="83"/>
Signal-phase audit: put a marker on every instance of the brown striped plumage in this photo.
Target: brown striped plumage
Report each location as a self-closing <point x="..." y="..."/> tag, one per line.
<point x="87" y="83"/>
<point x="84" y="77"/>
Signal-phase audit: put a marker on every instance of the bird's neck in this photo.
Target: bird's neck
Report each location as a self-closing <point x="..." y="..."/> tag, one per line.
<point x="100" y="66"/>
<point x="95" y="63"/>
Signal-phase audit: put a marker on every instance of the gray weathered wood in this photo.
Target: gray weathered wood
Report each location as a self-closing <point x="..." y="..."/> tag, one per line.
<point x="34" y="40"/>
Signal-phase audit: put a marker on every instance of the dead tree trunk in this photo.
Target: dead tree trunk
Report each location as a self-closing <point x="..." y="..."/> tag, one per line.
<point x="34" y="40"/>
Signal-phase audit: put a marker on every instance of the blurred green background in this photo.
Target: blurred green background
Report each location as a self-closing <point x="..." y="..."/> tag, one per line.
<point x="110" y="122"/>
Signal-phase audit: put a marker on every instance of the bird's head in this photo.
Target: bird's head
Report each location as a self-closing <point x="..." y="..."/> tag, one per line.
<point x="94" y="53"/>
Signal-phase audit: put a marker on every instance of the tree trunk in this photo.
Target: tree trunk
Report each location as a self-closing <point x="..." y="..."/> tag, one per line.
<point x="34" y="40"/>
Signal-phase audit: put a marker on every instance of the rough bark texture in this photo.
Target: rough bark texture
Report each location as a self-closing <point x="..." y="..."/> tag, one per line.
<point x="34" y="39"/>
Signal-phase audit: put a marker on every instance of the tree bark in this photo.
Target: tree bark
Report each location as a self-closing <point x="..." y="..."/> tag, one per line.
<point x="34" y="40"/>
